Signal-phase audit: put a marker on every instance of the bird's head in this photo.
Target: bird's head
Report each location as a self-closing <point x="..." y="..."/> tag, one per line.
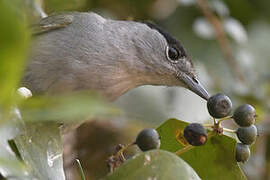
<point x="166" y="58"/>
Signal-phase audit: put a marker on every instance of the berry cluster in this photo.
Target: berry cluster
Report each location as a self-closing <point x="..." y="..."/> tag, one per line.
<point x="220" y="107"/>
<point x="244" y="116"/>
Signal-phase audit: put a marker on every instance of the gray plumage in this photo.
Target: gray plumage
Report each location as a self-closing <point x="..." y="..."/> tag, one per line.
<point x="84" y="51"/>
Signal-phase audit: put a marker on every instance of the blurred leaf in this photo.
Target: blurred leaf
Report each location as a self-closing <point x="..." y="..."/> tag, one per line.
<point x="212" y="160"/>
<point x="187" y="2"/>
<point x="59" y="5"/>
<point x="156" y="164"/>
<point x="13" y="46"/>
<point x="64" y="108"/>
<point x="10" y="165"/>
<point x="41" y="149"/>
<point x="26" y="9"/>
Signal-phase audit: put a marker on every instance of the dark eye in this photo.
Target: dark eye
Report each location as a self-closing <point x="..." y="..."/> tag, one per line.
<point x="172" y="53"/>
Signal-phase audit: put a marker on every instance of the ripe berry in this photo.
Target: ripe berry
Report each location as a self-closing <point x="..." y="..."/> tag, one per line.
<point x="242" y="152"/>
<point x="244" y="115"/>
<point x="219" y="105"/>
<point x="148" y="139"/>
<point x="247" y="135"/>
<point x="195" y="134"/>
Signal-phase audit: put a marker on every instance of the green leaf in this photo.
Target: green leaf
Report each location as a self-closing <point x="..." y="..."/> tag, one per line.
<point x="56" y="5"/>
<point x="156" y="164"/>
<point x="65" y="108"/>
<point x="13" y="47"/>
<point x="10" y="165"/>
<point x="214" y="160"/>
<point x="41" y="149"/>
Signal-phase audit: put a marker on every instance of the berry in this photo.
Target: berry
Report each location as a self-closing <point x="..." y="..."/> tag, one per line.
<point x="195" y="134"/>
<point x="242" y="152"/>
<point x="219" y="105"/>
<point x="247" y="135"/>
<point x="244" y="115"/>
<point x="148" y="139"/>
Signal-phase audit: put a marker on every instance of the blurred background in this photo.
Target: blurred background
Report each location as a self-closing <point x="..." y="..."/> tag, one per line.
<point x="229" y="43"/>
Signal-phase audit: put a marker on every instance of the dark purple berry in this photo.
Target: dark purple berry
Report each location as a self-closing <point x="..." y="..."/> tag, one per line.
<point x="219" y="106"/>
<point x="195" y="134"/>
<point x="247" y="135"/>
<point x="244" y="115"/>
<point x="242" y="152"/>
<point x="148" y="139"/>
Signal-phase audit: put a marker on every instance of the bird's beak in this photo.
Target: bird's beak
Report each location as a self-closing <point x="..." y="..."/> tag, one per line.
<point x="195" y="86"/>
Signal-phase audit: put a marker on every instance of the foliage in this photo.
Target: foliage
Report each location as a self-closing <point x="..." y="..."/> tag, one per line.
<point x="41" y="150"/>
<point x="155" y="164"/>
<point x="214" y="159"/>
<point x="30" y="143"/>
<point x="72" y="107"/>
<point x="13" y="40"/>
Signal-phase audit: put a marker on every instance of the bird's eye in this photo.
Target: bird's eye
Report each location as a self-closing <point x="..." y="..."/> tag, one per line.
<point x="172" y="54"/>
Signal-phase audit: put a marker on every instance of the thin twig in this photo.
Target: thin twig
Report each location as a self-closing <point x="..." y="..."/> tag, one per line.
<point x="221" y="38"/>
<point x="189" y="147"/>
<point x="208" y="125"/>
<point x="121" y="151"/>
<point x="215" y="121"/>
<point x="229" y="130"/>
<point x="224" y="119"/>
<point x="184" y="149"/>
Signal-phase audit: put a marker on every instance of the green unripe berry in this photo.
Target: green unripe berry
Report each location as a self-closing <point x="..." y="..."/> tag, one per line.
<point x="242" y="152"/>
<point x="195" y="134"/>
<point x="148" y="139"/>
<point x="247" y="135"/>
<point x="219" y="106"/>
<point x="244" y="115"/>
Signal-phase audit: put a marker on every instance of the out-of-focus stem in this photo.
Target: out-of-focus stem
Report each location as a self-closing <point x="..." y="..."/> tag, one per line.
<point x="221" y="38"/>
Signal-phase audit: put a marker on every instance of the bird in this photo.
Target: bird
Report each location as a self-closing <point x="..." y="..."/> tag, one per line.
<point x="85" y="51"/>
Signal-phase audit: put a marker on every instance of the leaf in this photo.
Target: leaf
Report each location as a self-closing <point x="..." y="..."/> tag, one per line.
<point x="41" y="149"/>
<point x="10" y="165"/>
<point x="156" y="164"/>
<point x="65" y="108"/>
<point x="13" y="45"/>
<point x="56" y="5"/>
<point x="212" y="160"/>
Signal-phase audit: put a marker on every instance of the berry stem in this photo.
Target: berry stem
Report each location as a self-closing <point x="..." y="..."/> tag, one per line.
<point x="184" y="149"/>
<point x="229" y="130"/>
<point x="208" y="125"/>
<point x="120" y="152"/>
<point x="224" y="119"/>
<point x="189" y="147"/>
<point x="215" y="121"/>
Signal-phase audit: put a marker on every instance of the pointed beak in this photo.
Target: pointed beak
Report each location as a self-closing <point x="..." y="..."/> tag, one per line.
<point x="195" y="86"/>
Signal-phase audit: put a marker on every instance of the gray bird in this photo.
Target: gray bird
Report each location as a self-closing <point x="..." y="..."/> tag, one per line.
<point x="84" y="51"/>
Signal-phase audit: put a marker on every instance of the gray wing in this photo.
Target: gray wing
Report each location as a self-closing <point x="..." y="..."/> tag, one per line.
<point x="52" y="23"/>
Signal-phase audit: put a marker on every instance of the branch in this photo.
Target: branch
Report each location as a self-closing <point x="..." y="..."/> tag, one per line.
<point x="221" y="38"/>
